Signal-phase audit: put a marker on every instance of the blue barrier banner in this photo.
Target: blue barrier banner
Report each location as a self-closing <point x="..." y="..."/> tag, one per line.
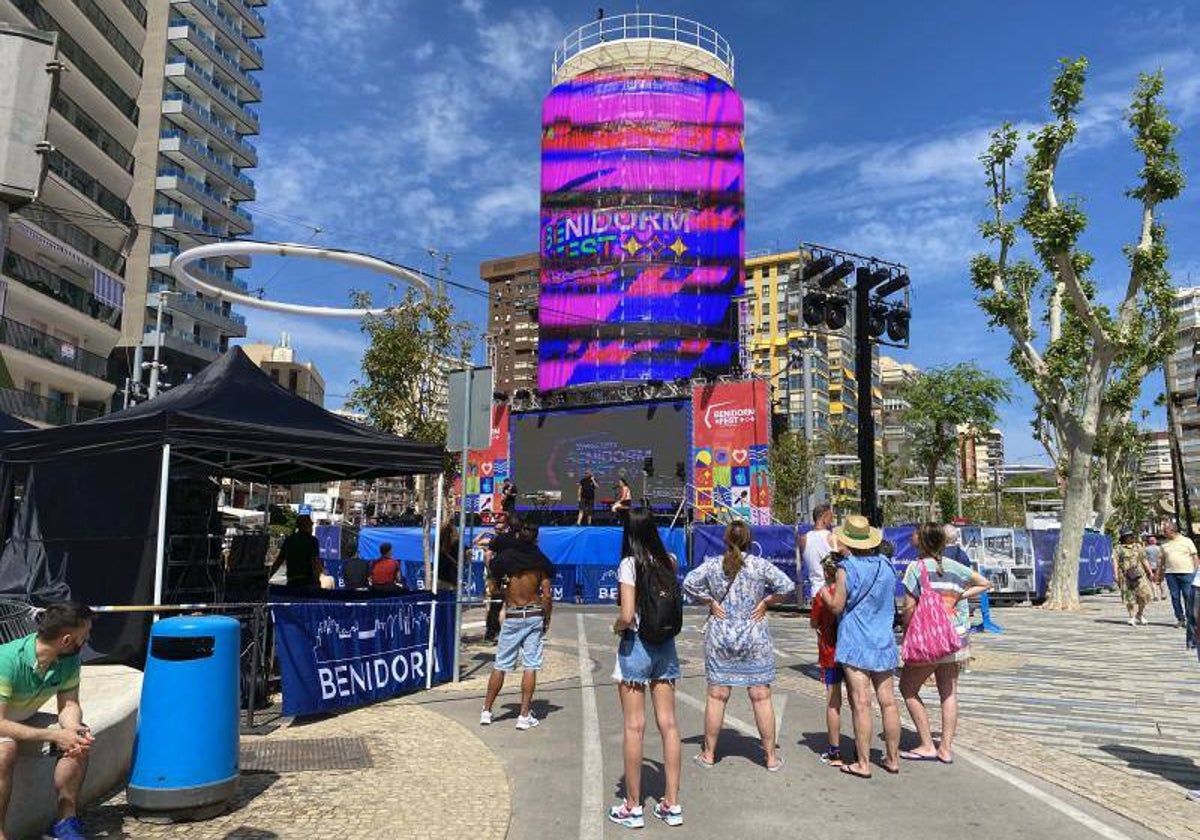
<point x="1095" y="561"/>
<point x="329" y="538"/>
<point x="338" y="655"/>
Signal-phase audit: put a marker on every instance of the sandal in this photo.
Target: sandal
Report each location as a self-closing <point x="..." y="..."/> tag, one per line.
<point x="777" y="766"/>
<point x="850" y="771"/>
<point x="699" y="759"/>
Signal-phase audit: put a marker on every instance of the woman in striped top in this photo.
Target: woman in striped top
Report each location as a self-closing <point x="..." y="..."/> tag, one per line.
<point x="956" y="584"/>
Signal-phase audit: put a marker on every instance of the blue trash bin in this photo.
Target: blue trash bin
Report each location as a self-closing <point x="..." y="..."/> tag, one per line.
<point x="185" y="758"/>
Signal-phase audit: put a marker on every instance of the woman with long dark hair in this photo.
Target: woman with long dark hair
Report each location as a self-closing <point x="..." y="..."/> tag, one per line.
<point x="738" y="588"/>
<point x="642" y="664"/>
<point x="624" y="502"/>
<point x="956" y="584"/>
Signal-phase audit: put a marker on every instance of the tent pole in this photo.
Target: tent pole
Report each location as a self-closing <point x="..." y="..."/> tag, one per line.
<point x="462" y="518"/>
<point x="160" y="548"/>
<point x="432" y="585"/>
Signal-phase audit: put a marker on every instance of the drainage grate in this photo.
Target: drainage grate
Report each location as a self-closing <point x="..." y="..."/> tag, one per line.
<point x="299" y="754"/>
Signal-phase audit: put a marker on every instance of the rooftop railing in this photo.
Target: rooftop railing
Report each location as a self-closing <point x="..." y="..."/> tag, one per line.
<point x="644" y="25"/>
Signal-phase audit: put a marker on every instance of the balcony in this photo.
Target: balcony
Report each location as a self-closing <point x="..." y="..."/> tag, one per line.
<point x="182" y="149"/>
<point x="190" y="304"/>
<point x="92" y="130"/>
<point x="228" y="27"/>
<point x="88" y="187"/>
<point x="178" y="185"/>
<point x="183" y="110"/>
<point x="209" y="271"/>
<point x="182" y="342"/>
<point x="192" y="41"/>
<point x="76" y="237"/>
<point x="193" y="78"/>
<point x="111" y="33"/>
<point x="181" y="222"/>
<point x="39" y="409"/>
<point x="42" y="279"/>
<point x="43" y="345"/>
<point x="251" y="18"/>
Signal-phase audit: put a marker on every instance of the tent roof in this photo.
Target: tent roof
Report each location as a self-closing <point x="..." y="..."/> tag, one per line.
<point x="231" y="419"/>
<point x="8" y="423"/>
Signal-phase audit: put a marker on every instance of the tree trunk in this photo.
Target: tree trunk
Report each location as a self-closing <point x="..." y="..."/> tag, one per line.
<point x="1063" y="590"/>
<point x="931" y="476"/>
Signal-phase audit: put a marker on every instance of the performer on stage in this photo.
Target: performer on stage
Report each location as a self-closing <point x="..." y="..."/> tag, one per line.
<point x="587" y="498"/>
<point x="624" y="502"/>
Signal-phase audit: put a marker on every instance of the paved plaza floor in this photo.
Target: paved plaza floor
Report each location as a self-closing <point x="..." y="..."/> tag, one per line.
<point x="1074" y="725"/>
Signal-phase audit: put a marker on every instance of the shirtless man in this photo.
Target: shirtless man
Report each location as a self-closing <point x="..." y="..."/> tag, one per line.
<point x="528" y="601"/>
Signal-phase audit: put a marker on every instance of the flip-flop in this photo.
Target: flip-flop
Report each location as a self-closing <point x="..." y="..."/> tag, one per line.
<point x="849" y="771"/>
<point x="775" y="768"/>
<point x="699" y="759"/>
<point x="945" y="760"/>
<point x="909" y="755"/>
<point x="889" y="770"/>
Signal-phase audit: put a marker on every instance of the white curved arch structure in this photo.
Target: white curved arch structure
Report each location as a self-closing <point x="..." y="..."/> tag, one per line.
<point x="179" y="268"/>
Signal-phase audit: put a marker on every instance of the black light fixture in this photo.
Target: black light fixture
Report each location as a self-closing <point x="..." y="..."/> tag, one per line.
<point x="835" y="312"/>
<point x="836" y="274"/>
<point x="522" y="394"/>
<point x="893" y="285"/>
<point x="500" y="396"/>
<point x="877" y="319"/>
<point x="879" y="275"/>
<point x="897" y="324"/>
<point x="817" y="267"/>
<point x="648" y="465"/>
<point x="814" y="308"/>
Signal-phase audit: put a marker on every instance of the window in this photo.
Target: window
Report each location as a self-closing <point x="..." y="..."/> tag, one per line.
<point x="293" y="380"/>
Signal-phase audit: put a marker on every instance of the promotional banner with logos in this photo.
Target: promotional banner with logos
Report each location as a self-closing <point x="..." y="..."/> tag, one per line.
<point x="337" y="655"/>
<point x="731" y="435"/>
<point x="487" y="468"/>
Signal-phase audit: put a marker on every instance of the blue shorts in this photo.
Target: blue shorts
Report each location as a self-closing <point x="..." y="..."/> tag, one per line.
<point x="832" y="676"/>
<point x="642" y="662"/>
<point x="523" y="635"/>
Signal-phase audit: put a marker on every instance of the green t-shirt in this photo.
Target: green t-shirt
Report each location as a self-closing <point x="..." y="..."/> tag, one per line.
<point x="23" y="688"/>
<point x="953" y="580"/>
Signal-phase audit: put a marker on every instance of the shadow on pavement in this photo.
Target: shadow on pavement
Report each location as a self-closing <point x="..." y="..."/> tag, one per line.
<point x="541" y="710"/>
<point x="731" y="744"/>
<point x="1174" y="768"/>
<point x="654" y="781"/>
<point x="108" y="820"/>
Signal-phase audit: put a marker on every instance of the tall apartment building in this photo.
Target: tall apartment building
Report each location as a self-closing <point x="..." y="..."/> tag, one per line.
<point x="981" y="455"/>
<point x="512" y="327"/>
<point x="199" y="80"/>
<point x="1181" y="372"/>
<point x="278" y="361"/>
<point x="1154" y="480"/>
<point x="63" y="298"/>
<point x="894" y="377"/>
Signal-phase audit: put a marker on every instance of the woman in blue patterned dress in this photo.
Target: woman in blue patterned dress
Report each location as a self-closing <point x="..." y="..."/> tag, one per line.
<point x="738" y="588"/>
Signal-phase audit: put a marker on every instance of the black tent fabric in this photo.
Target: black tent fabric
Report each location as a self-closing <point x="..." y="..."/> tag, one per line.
<point x="8" y="423"/>
<point x="88" y="522"/>
<point x="232" y="420"/>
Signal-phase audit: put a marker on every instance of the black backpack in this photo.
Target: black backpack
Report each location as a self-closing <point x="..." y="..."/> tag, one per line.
<point x="659" y="602"/>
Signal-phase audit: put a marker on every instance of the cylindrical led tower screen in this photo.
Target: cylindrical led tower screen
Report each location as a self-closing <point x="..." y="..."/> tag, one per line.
<point x="642" y="227"/>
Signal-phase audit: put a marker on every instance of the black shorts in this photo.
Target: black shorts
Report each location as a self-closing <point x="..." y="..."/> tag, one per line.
<point x="587" y="504"/>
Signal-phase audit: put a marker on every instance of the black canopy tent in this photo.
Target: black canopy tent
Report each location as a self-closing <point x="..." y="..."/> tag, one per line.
<point x="96" y="492"/>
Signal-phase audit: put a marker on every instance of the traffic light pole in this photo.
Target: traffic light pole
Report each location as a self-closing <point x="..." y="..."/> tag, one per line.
<point x="868" y="492"/>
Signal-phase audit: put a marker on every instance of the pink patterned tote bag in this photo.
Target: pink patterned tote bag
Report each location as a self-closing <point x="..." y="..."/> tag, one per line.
<point x="930" y="634"/>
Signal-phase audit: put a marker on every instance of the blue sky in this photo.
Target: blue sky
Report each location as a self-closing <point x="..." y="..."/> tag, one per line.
<point x="399" y="125"/>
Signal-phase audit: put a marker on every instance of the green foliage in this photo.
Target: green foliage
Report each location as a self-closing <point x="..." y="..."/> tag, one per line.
<point x="793" y="471"/>
<point x="841" y="438"/>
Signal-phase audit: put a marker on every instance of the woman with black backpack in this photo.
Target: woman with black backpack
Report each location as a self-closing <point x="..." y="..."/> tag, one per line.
<point x="651" y="616"/>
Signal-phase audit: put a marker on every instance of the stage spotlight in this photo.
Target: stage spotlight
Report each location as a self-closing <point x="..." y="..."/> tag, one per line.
<point x="894" y="285"/>
<point x="839" y="271"/>
<point x="500" y="396"/>
<point x="877" y="319"/>
<point x="814" y="308"/>
<point x="835" y="314"/>
<point x="818" y="266"/>
<point x="897" y="324"/>
<point x="522" y="394"/>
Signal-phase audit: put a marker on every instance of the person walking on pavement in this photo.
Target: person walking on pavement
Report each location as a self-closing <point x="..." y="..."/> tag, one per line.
<point x="815" y="546"/>
<point x="642" y="663"/>
<point x="1133" y="575"/>
<point x="824" y="622"/>
<point x="1154" y="560"/>
<point x="738" y="589"/>
<point x="525" y="573"/>
<point x="1179" y="564"/>
<point x="864" y="598"/>
<point x="956" y="584"/>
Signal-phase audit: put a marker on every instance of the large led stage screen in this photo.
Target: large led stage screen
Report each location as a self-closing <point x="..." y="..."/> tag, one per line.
<point x="642" y="227"/>
<point x="551" y="450"/>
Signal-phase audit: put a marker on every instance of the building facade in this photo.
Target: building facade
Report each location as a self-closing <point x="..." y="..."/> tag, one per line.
<point x="512" y="328"/>
<point x="64" y="300"/>
<point x="279" y="362"/>
<point x="894" y="378"/>
<point x="1154" y="479"/>
<point x="201" y="57"/>
<point x="981" y="456"/>
<point x="1181" y="371"/>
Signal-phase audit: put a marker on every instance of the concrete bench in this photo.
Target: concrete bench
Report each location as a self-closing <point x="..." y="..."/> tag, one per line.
<point x="109" y="695"/>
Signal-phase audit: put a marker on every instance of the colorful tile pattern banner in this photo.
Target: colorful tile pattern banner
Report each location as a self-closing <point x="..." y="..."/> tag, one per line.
<point x="731" y="435"/>
<point x="487" y="468"/>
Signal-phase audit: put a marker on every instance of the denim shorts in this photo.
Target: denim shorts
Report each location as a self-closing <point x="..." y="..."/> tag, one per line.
<point x="642" y="662"/>
<point x="523" y="635"/>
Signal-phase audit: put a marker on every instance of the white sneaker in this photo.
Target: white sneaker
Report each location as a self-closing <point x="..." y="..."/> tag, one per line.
<point x="485" y="718"/>
<point x="1133" y="622"/>
<point x="672" y="816"/>
<point x="1142" y="620"/>
<point x="527" y="721"/>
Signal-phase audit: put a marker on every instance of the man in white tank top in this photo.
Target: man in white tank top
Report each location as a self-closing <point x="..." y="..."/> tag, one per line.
<point x="815" y="546"/>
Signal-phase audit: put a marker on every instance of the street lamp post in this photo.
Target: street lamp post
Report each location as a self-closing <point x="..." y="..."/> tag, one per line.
<point x="155" y="366"/>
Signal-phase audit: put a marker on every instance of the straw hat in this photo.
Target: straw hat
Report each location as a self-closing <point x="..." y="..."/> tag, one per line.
<point x="857" y="532"/>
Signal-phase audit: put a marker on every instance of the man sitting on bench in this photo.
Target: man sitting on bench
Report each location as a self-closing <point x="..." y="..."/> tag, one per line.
<point x="34" y="669"/>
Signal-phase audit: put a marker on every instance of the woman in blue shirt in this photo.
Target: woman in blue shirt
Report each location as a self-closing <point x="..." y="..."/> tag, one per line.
<point x="864" y="598"/>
